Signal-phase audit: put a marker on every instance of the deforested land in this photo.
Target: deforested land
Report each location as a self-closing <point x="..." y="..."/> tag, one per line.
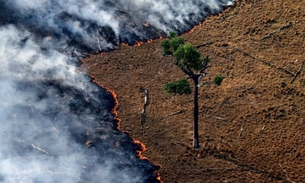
<point x="251" y="127"/>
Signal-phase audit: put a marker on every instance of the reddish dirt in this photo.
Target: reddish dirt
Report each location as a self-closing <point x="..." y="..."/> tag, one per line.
<point x="252" y="126"/>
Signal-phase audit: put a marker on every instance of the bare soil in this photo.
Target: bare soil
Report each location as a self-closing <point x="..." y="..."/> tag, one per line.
<point x="252" y="126"/>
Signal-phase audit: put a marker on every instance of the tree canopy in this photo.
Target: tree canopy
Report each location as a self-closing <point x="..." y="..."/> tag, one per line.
<point x="180" y="87"/>
<point x="188" y="58"/>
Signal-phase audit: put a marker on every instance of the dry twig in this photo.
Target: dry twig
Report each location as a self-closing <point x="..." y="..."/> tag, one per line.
<point x="266" y="62"/>
<point x="281" y="28"/>
<point x="298" y="72"/>
<point x="172" y="114"/>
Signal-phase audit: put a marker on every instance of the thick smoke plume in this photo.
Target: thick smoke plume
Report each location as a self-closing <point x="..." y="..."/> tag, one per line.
<point x="49" y="112"/>
<point x="100" y="24"/>
<point x="56" y="124"/>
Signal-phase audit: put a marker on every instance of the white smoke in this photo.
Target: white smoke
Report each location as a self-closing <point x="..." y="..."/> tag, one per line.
<point x="49" y="110"/>
<point x="126" y="18"/>
<point x="37" y="146"/>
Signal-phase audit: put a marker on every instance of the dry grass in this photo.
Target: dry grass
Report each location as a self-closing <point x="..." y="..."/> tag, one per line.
<point x="251" y="127"/>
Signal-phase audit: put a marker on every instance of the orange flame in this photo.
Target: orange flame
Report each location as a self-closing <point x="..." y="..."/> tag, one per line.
<point x="124" y="44"/>
<point x="146" y="24"/>
<point x="159" y="178"/>
<point x="138" y="43"/>
<point x="141" y="146"/>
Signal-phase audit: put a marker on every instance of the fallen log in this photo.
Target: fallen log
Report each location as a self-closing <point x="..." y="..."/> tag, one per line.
<point x="281" y="28"/>
<point x="270" y="64"/>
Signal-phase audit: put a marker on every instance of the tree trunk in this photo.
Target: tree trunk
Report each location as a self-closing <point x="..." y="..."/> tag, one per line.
<point x="196" y="135"/>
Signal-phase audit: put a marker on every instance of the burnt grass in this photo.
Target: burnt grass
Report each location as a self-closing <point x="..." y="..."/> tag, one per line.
<point x="251" y="126"/>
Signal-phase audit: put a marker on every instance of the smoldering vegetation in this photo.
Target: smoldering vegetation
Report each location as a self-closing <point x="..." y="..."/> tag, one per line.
<point x="56" y="124"/>
<point x="95" y="25"/>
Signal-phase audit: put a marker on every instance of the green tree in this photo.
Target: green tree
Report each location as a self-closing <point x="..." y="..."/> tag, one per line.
<point x="189" y="60"/>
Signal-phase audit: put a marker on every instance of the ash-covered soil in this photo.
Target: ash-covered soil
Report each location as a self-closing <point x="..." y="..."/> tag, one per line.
<point x="251" y="126"/>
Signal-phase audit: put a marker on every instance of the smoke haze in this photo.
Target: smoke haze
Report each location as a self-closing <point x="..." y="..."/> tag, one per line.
<point x="56" y="124"/>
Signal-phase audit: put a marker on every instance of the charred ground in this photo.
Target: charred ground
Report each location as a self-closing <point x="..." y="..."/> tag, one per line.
<point x="251" y="127"/>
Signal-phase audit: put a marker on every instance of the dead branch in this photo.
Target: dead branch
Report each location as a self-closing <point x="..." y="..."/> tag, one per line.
<point x="279" y="29"/>
<point x="38" y="148"/>
<point x="220" y="118"/>
<point x="205" y="83"/>
<point x="298" y="72"/>
<point x="172" y="114"/>
<point x="143" y="118"/>
<point x="257" y="170"/>
<point x="270" y="64"/>
<point x="204" y="44"/>
<point x="262" y="129"/>
<point x="146" y="103"/>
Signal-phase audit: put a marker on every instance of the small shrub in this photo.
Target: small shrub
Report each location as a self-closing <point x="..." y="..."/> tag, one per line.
<point x="218" y="79"/>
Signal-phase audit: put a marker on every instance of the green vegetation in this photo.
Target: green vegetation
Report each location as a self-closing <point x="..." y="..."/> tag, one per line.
<point x="171" y="45"/>
<point x="189" y="60"/>
<point x="218" y="79"/>
<point x="180" y="87"/>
